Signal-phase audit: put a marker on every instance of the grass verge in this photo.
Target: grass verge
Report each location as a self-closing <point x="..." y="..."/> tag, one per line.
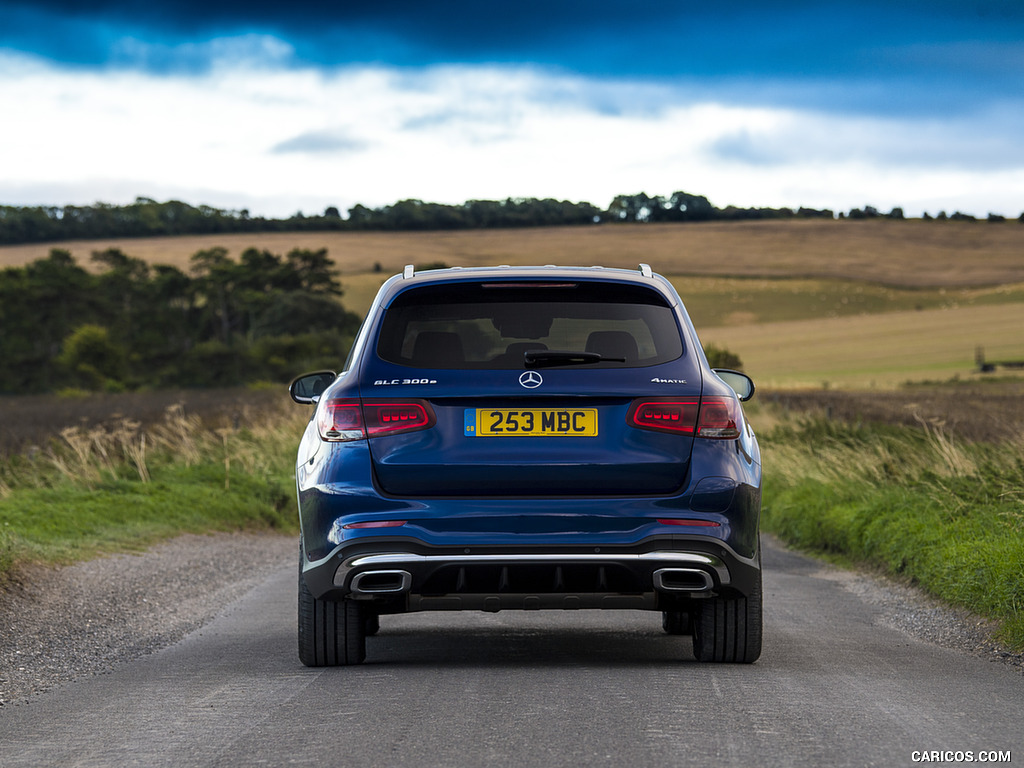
<point x="114" y="489"/>
<point x="946" y="515"/>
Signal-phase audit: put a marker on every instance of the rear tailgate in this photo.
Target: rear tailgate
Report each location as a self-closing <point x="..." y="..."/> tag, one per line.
<point x="510" y="424"/>
<point x="492" y="437"/>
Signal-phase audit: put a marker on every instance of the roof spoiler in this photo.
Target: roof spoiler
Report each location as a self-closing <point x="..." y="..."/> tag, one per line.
<point x="645" y="270"/>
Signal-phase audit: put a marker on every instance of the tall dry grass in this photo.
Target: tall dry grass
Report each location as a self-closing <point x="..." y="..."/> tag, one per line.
<point x="123" y="486"/>
<point x="87" y="456"/>
<point x="821" y="449"/>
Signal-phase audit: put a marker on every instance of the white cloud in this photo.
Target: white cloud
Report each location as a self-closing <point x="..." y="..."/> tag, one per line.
<point x="278" y="140"/>
<point x="251" y="51"/>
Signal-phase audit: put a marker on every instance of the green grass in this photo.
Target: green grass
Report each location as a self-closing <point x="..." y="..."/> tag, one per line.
<point x="947" y="516"/>
<point x="67" y="524"/>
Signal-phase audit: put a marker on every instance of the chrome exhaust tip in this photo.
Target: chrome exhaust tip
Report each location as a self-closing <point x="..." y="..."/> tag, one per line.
<point x="683" y="580"/>
<point x="381" y="582"/>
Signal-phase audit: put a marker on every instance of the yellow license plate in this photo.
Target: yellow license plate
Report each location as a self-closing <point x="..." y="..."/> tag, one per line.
<point x="531" y="422"/>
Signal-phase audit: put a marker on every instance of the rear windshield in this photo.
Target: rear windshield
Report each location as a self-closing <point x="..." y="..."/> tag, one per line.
<point x="492" y="325"/>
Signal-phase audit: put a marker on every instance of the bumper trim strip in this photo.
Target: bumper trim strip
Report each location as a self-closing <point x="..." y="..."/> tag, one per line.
<point x="659" y="557"/>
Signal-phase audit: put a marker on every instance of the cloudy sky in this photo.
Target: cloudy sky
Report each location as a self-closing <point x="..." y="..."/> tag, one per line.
<point x="280" y="107"/>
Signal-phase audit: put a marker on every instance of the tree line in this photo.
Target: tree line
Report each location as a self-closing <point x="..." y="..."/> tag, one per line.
<point x="130" y="325"/>
<point x="149" y="218"/>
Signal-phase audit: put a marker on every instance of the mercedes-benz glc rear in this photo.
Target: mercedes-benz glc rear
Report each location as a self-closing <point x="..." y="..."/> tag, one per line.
<point x="528" y="439"/>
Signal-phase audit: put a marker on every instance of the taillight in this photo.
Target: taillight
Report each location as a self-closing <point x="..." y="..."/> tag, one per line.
<point x="392" y="417"/>
<point x="715" y="418"/>
<point x="340" y="420"/>
<point x="347" y="419"/>
<point x="719" y="418"/>
<point x="678" y="416"/>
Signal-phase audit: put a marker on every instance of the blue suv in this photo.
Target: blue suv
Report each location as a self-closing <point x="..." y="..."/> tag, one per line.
<point x="528" y="438"/>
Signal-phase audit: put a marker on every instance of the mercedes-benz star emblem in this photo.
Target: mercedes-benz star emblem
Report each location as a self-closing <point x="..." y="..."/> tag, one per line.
<point x="531" y="379"/>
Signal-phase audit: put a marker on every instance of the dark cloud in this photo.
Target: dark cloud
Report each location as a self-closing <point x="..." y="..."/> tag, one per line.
<point x="914" y="55"/>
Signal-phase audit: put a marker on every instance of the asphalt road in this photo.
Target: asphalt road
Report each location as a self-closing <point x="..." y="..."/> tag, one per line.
<point x="587" y="688"/>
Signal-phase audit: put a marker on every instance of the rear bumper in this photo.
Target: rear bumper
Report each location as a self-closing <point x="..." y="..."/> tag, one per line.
<point x="659" y="574"/>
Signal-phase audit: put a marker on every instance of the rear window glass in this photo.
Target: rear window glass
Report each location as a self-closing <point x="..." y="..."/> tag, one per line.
<point x="492" y="325"/>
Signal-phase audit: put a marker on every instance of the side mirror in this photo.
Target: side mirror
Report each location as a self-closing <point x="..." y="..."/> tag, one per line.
<point x="306" y="389"/>
<point x="742" y="384"/>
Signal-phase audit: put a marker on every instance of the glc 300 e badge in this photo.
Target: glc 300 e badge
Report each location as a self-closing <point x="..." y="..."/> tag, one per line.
<point x="531" y="379"/>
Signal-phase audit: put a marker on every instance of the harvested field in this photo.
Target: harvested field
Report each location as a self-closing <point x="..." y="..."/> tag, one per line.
<point x="905" y="253"/>
<point x="804" y="303"/>
<point x="737" y="301"/>
<point x="875" y="350"/>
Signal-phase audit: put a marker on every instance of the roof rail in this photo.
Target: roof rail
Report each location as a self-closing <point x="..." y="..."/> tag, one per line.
<point x="409" y="271"/>
<point x="645" y="270"/>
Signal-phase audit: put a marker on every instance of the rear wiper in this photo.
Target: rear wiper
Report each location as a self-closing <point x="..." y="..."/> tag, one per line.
<point x="540" y="358"/>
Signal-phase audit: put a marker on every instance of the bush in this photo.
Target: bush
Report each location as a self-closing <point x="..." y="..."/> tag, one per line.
<point x="92" y="360"/>
<point x="719" y="357"/>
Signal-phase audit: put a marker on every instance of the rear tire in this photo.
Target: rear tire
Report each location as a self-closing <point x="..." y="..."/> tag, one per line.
<point x="729" y="629"/>
<point x="372" y="623"/>
<point x="331" y="634"/>
<point x="676" y="622"/>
